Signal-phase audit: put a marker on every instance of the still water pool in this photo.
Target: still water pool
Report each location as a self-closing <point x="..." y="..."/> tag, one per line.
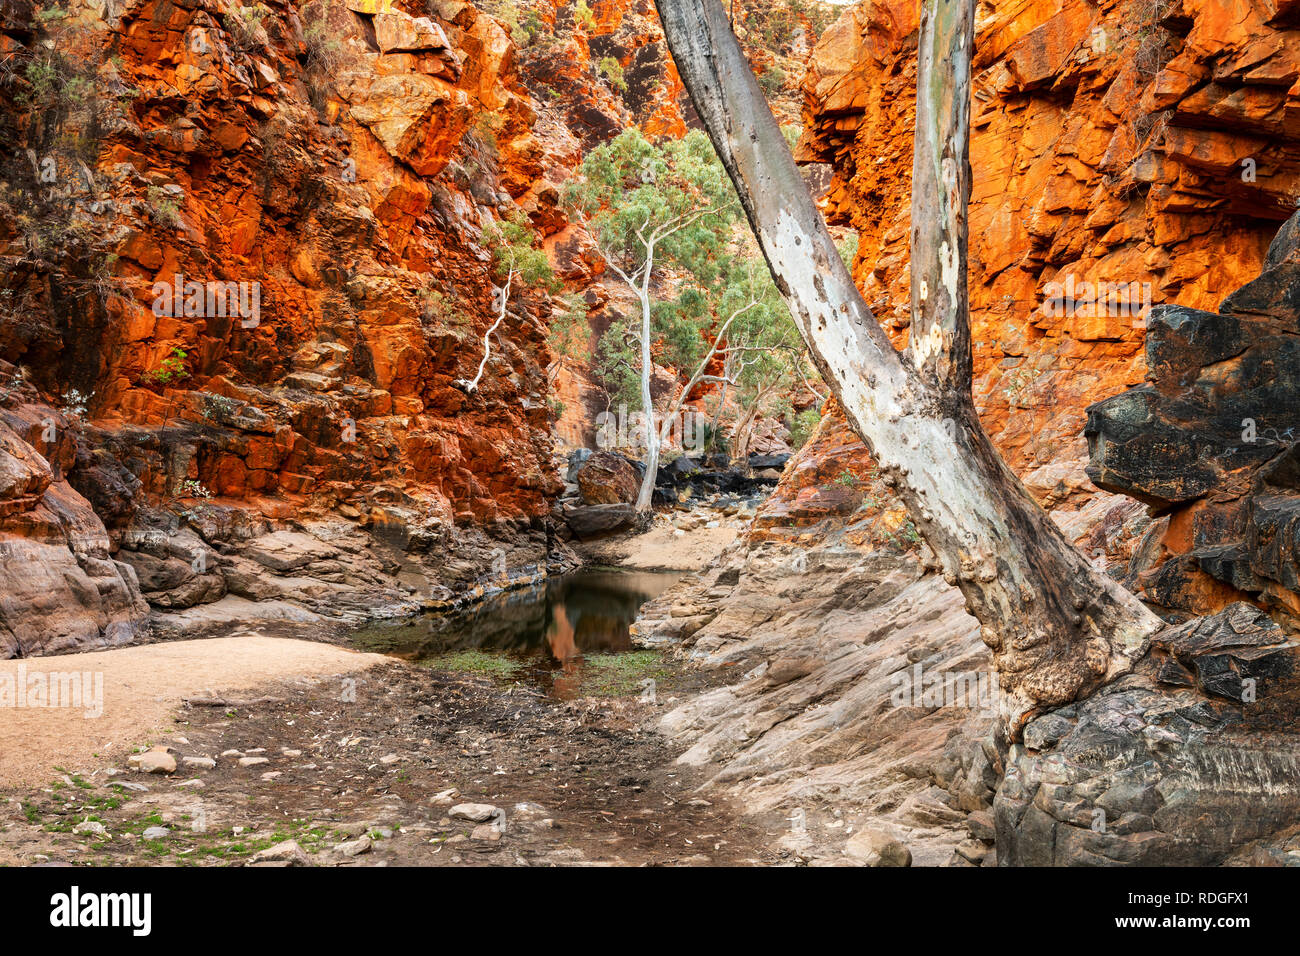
<point x="568" y="636"/>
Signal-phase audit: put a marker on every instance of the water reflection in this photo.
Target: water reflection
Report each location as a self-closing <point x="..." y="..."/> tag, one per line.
<point x="550" y="626"/>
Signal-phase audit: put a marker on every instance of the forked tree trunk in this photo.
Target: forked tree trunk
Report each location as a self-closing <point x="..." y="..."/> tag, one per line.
<point x="645" y="495"/>
<point x="1057" y="628"/>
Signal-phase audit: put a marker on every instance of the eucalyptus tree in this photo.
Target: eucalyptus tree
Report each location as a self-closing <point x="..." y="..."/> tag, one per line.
<point x="1058" y="628"/>
<point x="661" y="216"/>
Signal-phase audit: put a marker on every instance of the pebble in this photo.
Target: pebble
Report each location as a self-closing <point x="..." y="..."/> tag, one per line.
<point x="153" y="761"/>
<point x="253" y="761"/>
<point x="354" y="847"/>
<point x="90" y="826"/>
<point x="877" y="848"/>
<point x="207" y="763"/>
<point x="156" y="833"/>
<point x="287" y="852"/>
<point x="475" y="812"/>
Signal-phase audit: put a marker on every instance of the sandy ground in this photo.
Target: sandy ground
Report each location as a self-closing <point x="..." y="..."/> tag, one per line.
<point x="295" y="773"/>
<point x="663" y="548"/>
<point x="141" y="688"/>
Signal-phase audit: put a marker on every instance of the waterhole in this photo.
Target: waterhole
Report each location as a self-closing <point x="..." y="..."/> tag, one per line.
<point x="568" y="636"/>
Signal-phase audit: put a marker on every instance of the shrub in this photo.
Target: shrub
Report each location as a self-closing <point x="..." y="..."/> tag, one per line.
<point x="612" y="71"/>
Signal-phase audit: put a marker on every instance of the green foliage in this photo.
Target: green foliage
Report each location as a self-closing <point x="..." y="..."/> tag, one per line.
<point x="437" y="308"/>
<point x="630" y="190"/>
<point x="612" y="71"/>
<point x="617" y="362"/>
<point x="521" y="27"/>
<point x="713" y="439"/>
<point x="487" y="127"/>
<point x="776" y="24"/>
<point x="516" y="246"/>
<point x="162" y="208"/>
<point x="848" y="250"/>
<point x="802" y="426"/>
<point x="245" y="25"/>
<point x="568" y="329"/>
<point x="171" y="369"/>
<point x="772" y="80"/>
<point x="629" y="187"/>
<point x="583" y="16"/>
<point x="327" y="55"/>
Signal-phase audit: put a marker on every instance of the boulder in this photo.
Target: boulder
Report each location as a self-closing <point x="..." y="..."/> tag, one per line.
<point x="475" y="812"/>
<point x="607" y="478"/>
<point x="761" y="462"/>
<point x="576" y="459"/>
<point x="592" y="520"/>
<point x="63" y="591"/>
<point x="157" y="760"/>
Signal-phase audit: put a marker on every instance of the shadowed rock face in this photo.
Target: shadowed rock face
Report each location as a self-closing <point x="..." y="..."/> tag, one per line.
<point x="1212" y="441"/>
<point x="1144" y="774"/>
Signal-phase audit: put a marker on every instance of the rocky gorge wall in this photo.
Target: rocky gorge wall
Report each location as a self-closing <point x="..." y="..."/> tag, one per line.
<point x="1150" y="148"/>
<point x="331" y="161"/>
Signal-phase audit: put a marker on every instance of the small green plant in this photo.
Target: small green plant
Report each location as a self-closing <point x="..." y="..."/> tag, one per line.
<point x="480" y="663"/>
<point x="171" y="369"/>
<point x="194" y="489"/>
<point x="802" y="426"/>
<point x="437" y="308"/>
<point x="612" y="71"/>
<point x="772" y="80"/>
<point x="521" y="29"/>
<point x="245" y="25"/>
<point x="327" y="55"/>
<point x="713" y="439"/>
<point x="847" y="479"/>
<point x="620" y="675"/>
<point x="487" y="127"/>
<point x="163" y="209"/>
<point x="583" y="16"/>
<point x="1015" y="383"/>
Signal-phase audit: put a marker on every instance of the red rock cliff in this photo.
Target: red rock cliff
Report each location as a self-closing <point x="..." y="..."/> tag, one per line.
<point x="337" y="165"/>
<point x="1121" y="142"/>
